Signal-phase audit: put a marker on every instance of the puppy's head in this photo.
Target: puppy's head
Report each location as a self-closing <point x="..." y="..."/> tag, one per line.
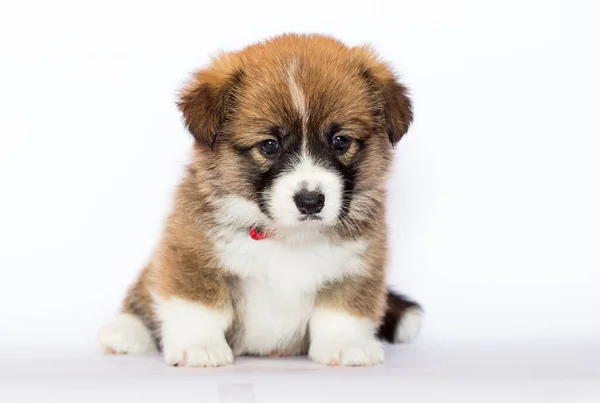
<point x="301" y="126"/>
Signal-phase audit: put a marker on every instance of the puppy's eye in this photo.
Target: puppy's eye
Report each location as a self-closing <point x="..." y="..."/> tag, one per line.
<point x="341" y="143"/>
<point x="269" y="147"/>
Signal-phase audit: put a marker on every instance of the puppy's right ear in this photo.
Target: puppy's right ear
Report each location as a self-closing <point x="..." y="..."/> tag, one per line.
<point x="207" y="101"/>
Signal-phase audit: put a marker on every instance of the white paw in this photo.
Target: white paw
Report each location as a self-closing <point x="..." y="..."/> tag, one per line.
<point x="353" y="353"/>
<point x="409" y="325"/>
<point x="126" y="334"/>
<point x="199" y="355"/>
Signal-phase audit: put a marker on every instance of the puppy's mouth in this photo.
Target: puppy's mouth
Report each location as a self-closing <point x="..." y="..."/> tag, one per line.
<point x="310" y="217"/>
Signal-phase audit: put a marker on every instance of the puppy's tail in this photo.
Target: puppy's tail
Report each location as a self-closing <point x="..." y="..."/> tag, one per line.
<point x="402" y="319"/>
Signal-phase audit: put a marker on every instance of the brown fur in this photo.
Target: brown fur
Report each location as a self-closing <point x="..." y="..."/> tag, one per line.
<point x="362" y="296"/>
<point x="232" y="104"/>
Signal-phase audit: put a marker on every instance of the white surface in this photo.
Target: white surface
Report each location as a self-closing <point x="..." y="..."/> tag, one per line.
<point x="411" y="374"/>
<point x="494" y="211"/>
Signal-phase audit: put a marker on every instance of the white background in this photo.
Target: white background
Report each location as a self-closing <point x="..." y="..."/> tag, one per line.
<point x="494" y="203"/>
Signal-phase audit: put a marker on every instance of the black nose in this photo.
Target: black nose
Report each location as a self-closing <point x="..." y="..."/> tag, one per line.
<point x="309" y="202"/>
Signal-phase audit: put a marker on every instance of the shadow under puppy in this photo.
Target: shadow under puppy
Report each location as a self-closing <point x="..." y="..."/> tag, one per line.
<point x="277" y="241"/>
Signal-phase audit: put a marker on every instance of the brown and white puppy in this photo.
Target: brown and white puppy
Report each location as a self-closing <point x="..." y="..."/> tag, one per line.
<point x="277" y="240"/>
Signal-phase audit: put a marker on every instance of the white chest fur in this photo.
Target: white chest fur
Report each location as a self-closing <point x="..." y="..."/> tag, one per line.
<point x="279" y="281"/>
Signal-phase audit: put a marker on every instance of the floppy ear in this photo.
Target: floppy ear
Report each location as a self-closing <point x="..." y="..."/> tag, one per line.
<point x="397" y="110"/>
<point x="208" y="99"/>
<point x="389" y="96"/>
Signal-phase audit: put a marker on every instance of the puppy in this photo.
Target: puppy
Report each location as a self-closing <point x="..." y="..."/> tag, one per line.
<point x="277" y="243"/>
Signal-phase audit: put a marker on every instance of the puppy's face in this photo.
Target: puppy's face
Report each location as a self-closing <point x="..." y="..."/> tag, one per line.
<point x="302" y="126"/>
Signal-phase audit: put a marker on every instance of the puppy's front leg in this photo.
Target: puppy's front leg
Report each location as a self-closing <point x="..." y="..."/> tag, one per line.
<point x="344" y="323"/>
<point x="193" y="334"/>
<point x="193" y="308"/>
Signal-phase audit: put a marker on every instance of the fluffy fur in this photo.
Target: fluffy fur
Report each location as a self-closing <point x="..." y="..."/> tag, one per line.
<point x="293" y="136"/>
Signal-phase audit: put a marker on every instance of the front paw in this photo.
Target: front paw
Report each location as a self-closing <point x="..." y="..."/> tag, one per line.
<point x="199" y="355"/>
<point x="352" y="353"/>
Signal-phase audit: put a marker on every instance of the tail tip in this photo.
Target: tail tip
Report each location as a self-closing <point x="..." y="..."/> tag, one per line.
<point x="409" y="325"/>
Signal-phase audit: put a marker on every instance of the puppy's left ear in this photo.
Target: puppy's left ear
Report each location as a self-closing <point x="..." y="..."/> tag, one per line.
<point x="397" y="110"/>
<point x="208" y="99"/>
<point x="389" y="97"/>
